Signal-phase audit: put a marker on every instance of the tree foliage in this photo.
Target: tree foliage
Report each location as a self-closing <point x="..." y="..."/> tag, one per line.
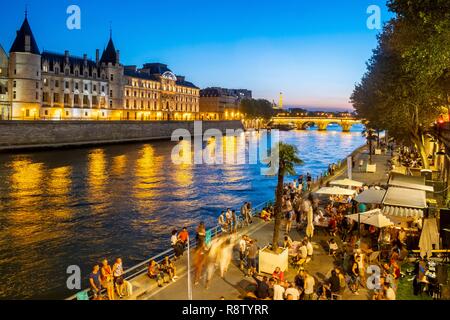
<point x="257" y="108"/>
<point x="406" y="83"/>
<point x="287" y="160"/>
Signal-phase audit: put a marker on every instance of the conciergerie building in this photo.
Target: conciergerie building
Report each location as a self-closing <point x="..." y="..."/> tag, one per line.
<point x="46" y="85"/>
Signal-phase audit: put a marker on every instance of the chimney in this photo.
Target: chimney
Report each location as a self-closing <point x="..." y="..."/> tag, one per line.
<point x="118" y="57"/>
<point x="66" y="55"/>
<point x="97" y="56"/>
<point x="85" y="58"/>
<point x="27" y="43"/>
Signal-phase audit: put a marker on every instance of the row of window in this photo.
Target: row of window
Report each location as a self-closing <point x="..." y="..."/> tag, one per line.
<point x="68" y="71"/>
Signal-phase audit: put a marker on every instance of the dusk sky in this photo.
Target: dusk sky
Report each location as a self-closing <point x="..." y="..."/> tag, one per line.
<point x="312" y="51"/>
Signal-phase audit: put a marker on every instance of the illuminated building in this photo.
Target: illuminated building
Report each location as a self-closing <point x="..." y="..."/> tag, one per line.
<point x="55" y="86"/>
<point x="222" y="104"/>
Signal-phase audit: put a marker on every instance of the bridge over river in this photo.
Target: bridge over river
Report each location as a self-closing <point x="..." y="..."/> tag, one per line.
<point x="322" y="123"/>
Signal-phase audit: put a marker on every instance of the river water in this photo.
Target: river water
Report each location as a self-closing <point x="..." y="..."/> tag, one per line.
<point x="74" y="207"/>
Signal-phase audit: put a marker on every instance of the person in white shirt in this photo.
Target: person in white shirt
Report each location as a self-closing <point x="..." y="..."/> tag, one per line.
<point x="278" y="291"/>
<point x="293" y="291"/>
<point x="308" y="286"/>
<point x="243" y="251"/>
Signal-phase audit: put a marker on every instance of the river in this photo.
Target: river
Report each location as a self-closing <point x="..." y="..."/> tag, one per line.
<point x="76" y="206"/>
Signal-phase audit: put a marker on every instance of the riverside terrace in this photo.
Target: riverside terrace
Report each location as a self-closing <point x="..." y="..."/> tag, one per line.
<point x="235" y="285"/>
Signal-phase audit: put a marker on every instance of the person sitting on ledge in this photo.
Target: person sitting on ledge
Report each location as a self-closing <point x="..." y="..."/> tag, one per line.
<point x="278" y="274"/>
<point x="169" y="268"/>
<point x="265" y="215"/>
<point x="155" y="272"/>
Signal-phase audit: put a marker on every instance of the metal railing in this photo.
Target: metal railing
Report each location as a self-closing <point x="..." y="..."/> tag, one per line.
<point x="141" y="267"/>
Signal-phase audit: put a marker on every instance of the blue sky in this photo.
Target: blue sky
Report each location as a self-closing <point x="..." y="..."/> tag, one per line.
<point x="312" y="51"/>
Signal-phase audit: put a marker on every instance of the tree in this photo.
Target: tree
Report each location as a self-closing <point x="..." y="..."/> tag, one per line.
<point x="287" y="159"/>
<point x="393" y="97"/>
<point x="260" y="108"/>
<point x="370" y="135"/>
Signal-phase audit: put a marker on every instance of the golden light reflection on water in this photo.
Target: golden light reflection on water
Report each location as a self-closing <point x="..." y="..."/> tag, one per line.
<point x="97" y="177"/>
<point x="147" y="171"/>
<point x="26" y="184"/>
<point x="58" y="188"/>
<point x="183" y="173"/>
<point x="119" y="165"/>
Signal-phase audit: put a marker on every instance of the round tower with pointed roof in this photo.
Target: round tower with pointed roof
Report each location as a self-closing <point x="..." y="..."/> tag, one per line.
<point x="25" y="75"/>
<point x="110" y="62"/>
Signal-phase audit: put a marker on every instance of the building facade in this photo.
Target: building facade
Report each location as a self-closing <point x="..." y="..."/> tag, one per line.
<point x="55" y="86"/>
<point x="222" y="104"/>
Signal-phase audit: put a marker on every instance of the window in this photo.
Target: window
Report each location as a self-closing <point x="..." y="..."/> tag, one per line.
<point x="110" y="103"/>
<point x="110" y="93"/>
<point x="45" y="82"/>
<point x="85" y="114"/>
<point x="76" y="73"/>
<point x="56" y="70"/>
<point x="37" y="95"/>
<point x="56" y="97"/>
<point x="85" y="87"/>
<point x="14" y="84"/>
<point x="85" y="100"/>
<point x="56" y="84"/>
<point x="66" y="71"/>
<point x="67" y="113"/>
<point x="45" y="97"/>
<point x="37" y="85"/>
<point x="67" y="84"/>
<point x="103" y="88"/>
<point x="46" y="112"/>
<point x="76" y="99"/>
<point x="45" y="68"/>
<point x="76" y="85"/>
<point x="27" y="112"/>
<point x="95" y="87"/>
<point x="14" y="95"/>
<point x="112" y="77"/>
<point x="127" y="103"/>
<point x="66" y="98"/>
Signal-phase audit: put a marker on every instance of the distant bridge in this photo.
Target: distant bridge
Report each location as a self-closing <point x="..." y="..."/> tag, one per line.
<point x="322" y="123"/>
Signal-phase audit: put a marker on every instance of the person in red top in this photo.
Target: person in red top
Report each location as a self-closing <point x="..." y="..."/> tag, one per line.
<point x="332" y="225"/>
<point x="278" y="274"/>
<point x="183" y="236"/>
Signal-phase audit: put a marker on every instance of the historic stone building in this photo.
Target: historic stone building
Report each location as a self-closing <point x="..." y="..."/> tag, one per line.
<point x="222" y="104"/>
<point x="154" y="92"/>
<point x="60" y="86"/>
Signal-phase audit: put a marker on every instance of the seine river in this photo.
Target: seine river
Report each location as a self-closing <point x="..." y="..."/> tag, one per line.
<point x="74" y="207"/>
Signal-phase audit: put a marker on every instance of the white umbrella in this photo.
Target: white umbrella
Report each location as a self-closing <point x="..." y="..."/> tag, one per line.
<point x="373" y="217"/>
<point x="347" y="182"/>
<point x="336" y="191"/>
<point x="378" y="220"/>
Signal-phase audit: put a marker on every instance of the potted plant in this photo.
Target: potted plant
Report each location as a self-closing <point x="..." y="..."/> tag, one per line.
<point x="272" y="257"/>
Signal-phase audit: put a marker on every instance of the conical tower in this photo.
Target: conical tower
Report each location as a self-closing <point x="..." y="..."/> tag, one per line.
<point x="25" y="74"/>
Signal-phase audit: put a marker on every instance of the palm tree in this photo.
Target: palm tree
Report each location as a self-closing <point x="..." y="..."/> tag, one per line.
<point x="287" y="159"/>
<point x="371" y="136"/>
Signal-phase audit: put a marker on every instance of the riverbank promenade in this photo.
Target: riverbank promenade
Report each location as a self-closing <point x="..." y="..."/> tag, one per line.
<point x="235" y="285"/>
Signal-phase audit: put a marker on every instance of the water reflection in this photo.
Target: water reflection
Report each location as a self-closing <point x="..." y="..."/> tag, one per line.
<point x="76" y="206"/>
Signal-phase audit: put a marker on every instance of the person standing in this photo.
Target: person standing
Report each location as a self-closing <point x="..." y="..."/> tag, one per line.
<point x="201" y="234"/>
<point x="308" y="286"/>
<point x="225" y="256"/>
<point x="94" y="281"/>
<point x="252" y="256"/>
<point x="293" y="291"/>
<point x="242" y="251"/>
<point x="199" y="262"/>
<point x="107" y="279"/>
<point x="234" y="221"/>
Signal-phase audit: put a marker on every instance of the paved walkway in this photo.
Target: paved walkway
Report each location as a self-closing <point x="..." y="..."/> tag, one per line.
<point x="235" y="285"/>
